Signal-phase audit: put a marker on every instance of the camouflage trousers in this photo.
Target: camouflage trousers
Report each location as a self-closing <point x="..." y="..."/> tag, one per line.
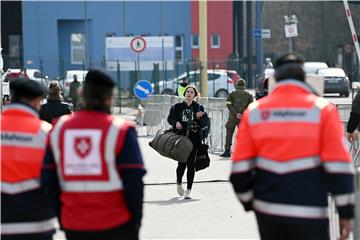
<point x="230" y="129"/>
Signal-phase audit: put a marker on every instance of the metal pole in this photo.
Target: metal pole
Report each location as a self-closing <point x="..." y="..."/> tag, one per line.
<point x="162" y="60"/>
<point x="119" y="85"/>
<point x="138" y="67"/>
<point x="290" y="44"/>
<point x="240" y="25"/>
<point x="41" y="71"/>
<point x="124" y="17"/>
<point x="259" y="50"/>
<point x="203" y="46"/>
<point x="249" y="43"/>
<point x="85" y="33"/>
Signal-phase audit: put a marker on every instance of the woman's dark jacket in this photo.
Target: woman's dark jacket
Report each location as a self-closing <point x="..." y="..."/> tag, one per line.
<point x="54" y="109"/>
<point x="354" y="119"/>
<point x="180" y="112"/>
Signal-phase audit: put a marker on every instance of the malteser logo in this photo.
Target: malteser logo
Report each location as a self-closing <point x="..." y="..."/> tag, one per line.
<point x="283" y="114"/>
<point x="12" y="137"/>
<point x="265" y="115"/>
<point x="82" y="146"/>
<point x="289" y="114"/>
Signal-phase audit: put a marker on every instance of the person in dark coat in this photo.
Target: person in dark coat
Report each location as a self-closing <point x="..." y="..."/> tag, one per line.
<point x="188" y="117"/>
<point x="354" y="119"/>
<point x="74" y="93"/>
<point x="55" y="107"/>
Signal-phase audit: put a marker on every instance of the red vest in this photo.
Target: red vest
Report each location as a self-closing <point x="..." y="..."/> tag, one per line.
<point x="23" y="142"/>
<point x="85" y="147"/>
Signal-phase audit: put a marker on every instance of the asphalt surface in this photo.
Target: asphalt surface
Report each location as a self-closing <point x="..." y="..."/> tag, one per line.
<point x="213" y="212"/>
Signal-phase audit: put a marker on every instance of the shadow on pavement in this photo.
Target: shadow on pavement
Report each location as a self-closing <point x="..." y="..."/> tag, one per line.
<point x="174" y="200"/>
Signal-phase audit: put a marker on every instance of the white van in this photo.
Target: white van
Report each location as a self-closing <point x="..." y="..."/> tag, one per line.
<point x="313" y="67"/>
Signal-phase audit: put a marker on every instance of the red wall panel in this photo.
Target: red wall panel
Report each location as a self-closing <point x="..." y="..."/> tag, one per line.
<point x="220" y="20"/>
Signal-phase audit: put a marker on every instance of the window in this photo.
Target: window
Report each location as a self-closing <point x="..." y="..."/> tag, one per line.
<point x="195" y="41"/>
<point x="179" y="47"/>
<point x="213" y="76"/>
<point x="15" y="43"/>
<point x="37" y="74"/>
<point x="77" y="48"/>
<point x="215" y="40"/>
<point x="194" y="78"/>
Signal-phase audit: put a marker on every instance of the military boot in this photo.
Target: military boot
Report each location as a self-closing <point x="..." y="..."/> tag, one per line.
<point x="226" y="153"/>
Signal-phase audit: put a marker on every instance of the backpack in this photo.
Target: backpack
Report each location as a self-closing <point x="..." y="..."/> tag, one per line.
<point x="205" y="131"/>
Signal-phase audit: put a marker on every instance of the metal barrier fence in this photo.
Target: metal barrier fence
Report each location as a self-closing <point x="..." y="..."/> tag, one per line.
<point x="344" y="112"/>
<point x="156" y="109"/>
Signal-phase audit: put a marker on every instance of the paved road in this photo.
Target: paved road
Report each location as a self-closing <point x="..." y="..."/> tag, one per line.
<point x="213" y="213"/>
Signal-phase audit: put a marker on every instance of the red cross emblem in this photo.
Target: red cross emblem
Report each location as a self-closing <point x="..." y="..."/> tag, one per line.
<point x="265" y="115"/>
<point x="82" y="146"/>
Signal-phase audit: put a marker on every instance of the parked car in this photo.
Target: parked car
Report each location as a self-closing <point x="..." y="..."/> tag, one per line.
<point x="68" y="77"/>
<point x="33" y="74"/>
<point x="313" y="67"/>
<point x="235" y="77"/>
<point x="335" y="81"/>
<point x="219" y="83"/>
<point x="261" y="83"/>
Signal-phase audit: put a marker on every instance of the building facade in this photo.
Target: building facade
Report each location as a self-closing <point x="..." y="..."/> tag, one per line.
<point x="60" y="36"/>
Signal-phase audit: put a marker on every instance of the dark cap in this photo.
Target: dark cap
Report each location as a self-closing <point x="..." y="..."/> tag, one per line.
<point x="288" y="58"/>
<point x="99" y="78"/>
<point x="241" y="83"/>
<point x="27" y="88"/>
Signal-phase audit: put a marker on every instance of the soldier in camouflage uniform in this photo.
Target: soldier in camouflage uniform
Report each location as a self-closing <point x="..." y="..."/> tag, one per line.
<point x="236" y="102"/>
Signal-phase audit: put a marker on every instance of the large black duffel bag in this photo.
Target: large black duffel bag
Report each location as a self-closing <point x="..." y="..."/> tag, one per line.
<point x="172" y="145"/>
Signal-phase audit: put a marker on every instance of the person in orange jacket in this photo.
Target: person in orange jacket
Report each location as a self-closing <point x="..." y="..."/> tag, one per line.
<point x="25" y="210"/>
<point x="290" y="153"/>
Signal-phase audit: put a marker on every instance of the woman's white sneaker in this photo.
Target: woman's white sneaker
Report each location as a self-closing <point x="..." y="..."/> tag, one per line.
<point x="180" y="189"/>
<point x="187" y="194"/>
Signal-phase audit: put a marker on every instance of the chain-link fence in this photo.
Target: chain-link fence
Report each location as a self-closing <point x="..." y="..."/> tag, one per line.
<point x="164" y="76"/>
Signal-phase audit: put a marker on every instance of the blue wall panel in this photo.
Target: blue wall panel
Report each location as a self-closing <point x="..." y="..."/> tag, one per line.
<point x="47" y="27"/>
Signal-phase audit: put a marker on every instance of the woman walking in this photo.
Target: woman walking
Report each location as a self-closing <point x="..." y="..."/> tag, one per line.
<point x="187" y="118"/>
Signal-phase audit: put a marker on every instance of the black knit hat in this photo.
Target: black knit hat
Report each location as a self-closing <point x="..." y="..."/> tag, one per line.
<point x="99" y="78"/>
<point x="288" y="58"/>
<point x="27" y="88"/>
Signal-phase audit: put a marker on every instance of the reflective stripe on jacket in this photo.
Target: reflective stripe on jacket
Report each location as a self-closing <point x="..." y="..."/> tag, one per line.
<point x="294" y="152"/>
<point x="23" y="141"/>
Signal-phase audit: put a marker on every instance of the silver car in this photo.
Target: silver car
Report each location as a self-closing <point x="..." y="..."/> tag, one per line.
<point x="219" y="83"/>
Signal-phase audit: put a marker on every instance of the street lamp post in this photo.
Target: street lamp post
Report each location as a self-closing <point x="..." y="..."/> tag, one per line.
<point x="291" y="29"/>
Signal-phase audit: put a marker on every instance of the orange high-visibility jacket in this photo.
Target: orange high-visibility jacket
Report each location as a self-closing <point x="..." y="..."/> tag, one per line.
<point x="25" y="210"/>
<point x="290" y="152"/>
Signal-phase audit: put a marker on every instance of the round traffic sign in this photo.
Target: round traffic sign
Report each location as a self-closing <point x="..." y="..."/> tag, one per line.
<point x="138" y="44"/>
<point x="143" y="89"/>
